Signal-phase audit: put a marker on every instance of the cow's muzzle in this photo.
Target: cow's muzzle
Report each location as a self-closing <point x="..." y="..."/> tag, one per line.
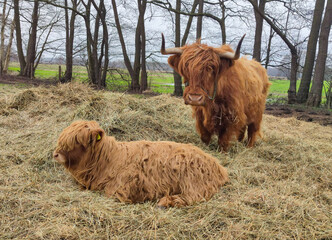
<point x="195" y="99"/>
<point x="59" y="157"/>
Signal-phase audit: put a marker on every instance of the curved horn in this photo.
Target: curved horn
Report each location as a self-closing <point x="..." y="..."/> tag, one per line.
<point x="233" y="56"/>
<point x="168" y="50"/>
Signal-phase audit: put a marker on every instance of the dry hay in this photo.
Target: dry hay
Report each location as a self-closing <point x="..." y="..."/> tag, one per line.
<point x="281" y="189"/>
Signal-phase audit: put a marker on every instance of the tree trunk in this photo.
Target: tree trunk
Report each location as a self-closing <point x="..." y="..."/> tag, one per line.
<point x="268" y="51"/>
<point x="123" y="44"/>
<point x="89" y="43"/>
<point x="31" y="52"/>
<point x="2" y="33"/>
<point x="302" y="94"/>
<point x="144" y="76"/>
<point x="102" y="12"/>
<point x="9" y="48"/>
<point x="69" y="67"/>
<point x="94" y="60"/>
<point x="190" y="19"/>
<point x="101" y="54"/>
<point x="329" y="96"/>
<point x="19" y="37"/>
<point x="222" y="21"/>
<point x="259" y="30"/>
<point x="293" y="78"/>
<point x="178" y="91"/>
<point x="135" y="86"/>
<point x="97" y="54"/>
<point x="70" y="31"/>
<point x="94" y="46"/>
<point x="199" y="19"/>
<point x="315" y="95"/>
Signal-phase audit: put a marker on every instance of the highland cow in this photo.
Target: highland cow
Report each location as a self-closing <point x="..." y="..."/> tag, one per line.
<point x="227" y="94"/>
<point x="171" y="173"/>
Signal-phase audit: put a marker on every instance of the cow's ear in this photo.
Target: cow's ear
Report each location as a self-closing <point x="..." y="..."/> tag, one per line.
<point x="98" y="134"/>
<point x="83" y="138"/>
<point x="226" y="63"/>
<point x="173" y="61"/>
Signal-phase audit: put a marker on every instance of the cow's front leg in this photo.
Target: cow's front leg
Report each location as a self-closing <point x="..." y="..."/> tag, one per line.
<point x="204" y="133"/>
<point x="241" y="134"/>
<point x="254" y="131"/>
<point x="226" y="134"/>
<point x="223" y="141"/>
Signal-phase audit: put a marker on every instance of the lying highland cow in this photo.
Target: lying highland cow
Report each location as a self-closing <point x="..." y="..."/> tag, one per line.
<point x="172" y="173"/>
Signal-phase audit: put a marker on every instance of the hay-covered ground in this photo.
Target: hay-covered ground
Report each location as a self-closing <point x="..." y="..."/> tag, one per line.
<point x="281" y="189"/>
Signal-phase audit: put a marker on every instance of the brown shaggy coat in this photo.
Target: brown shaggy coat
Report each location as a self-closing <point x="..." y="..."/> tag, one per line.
<point x="173" y="173"/>
<point x="226" y="95"/>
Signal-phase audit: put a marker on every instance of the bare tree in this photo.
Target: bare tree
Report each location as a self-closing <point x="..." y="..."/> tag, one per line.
<point x="221" y="21"/>
<point x="188" y="26"/>
<point x="31" y="51"/>
<point x="70" y="31"/>
<point x="127" y="62"/>
<point x="139" y="65"/>
<point x="199" y="19"/>
<point x="97" y="49"/>
<point x="268" y="50"/>
<point x="178" y="91"/>
<point x="303" y="91"/>
<point x="97" y="38"/>
<point x="19" y="37"/>
<point x="315" y="95"/>
<point x="44" y="32"/>
<point x="292" y="48"/>
<point x="9" y="48"/>
<point x="258" y="30"/>
<point x="142" y="38"/>
<point x="2" y="35"/>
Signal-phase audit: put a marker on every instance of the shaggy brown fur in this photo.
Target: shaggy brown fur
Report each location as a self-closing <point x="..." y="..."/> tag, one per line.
<point x="240" y="87"/>
<point x="175" y="174"/>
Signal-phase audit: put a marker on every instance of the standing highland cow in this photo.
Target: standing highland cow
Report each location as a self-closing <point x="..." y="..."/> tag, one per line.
<point x="172" y="173"/>
<point x="227" y="94"/>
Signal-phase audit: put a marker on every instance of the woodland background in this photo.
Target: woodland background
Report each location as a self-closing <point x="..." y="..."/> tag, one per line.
<point x="289" y="37"/>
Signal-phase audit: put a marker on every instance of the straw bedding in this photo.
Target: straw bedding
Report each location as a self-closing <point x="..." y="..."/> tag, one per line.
<point x="280" y="189"/>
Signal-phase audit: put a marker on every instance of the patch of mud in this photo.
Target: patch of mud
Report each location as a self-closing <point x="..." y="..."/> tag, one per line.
<point x="321" y="116"/>
<point x="19" y="80"/>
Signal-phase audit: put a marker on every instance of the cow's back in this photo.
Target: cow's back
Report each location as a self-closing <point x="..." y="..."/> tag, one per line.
<point x="254" y="77"/>
<point x="256" y="84"/>
<point x="245" y="86"/>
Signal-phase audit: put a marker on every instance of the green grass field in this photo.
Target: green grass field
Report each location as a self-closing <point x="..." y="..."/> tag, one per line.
<point x="51" y="71"/>
<point x="157" y="81"/>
